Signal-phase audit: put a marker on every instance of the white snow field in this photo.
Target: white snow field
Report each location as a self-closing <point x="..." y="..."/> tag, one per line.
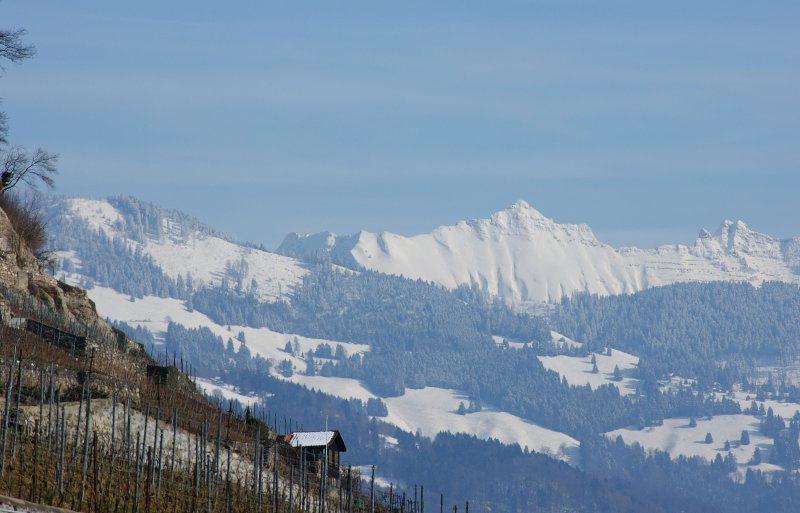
<point x="155" y="313"/>
<point x="206" y="258"/>
<point x="677" y="438"/>
<point x="228" y="392"/>
<point x="578" y="369"/>
<point x="523" y="257"/>
<point x="433" y="410"/>
<point x="785" y="409"/>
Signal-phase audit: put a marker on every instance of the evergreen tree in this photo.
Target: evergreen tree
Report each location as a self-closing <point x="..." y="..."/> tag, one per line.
<point x="311" y="366"/>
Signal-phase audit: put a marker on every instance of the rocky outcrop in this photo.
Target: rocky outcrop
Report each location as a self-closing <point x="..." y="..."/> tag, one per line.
<point x="20" y="270"/>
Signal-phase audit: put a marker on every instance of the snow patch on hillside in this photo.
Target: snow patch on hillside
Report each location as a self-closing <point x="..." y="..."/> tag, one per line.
<point x="432" y="410"/>
<point x="578" y="369"/>
<point x="155" y="313"/>
<point x="213" y="387"/>
<point x="677" y="438"/>
<point x="564" y="341"/>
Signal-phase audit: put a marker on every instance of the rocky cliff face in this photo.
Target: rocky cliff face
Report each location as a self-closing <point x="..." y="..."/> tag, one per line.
<point x="20" y="270"/>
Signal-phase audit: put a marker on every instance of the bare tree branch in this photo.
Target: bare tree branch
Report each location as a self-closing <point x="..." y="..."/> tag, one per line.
<point x="12" y="48"/>
<point x="17" y="165"/>
<point x="3" y="127"/>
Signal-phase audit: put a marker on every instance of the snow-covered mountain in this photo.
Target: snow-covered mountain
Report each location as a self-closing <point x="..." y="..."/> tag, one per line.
<point x="523" y="257"/>
<point x="180" y="246"/>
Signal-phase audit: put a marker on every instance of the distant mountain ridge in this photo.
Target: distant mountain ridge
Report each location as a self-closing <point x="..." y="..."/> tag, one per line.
<point x="521" y="256"/>
<point x="175" y="244"/>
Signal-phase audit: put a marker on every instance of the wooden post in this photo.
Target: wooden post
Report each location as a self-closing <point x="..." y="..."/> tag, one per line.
<point x="349" y="489"/>
<point x="137" y="475"/>
<point x="155" y="430"/>
<point x="144" y="435"/>
<point x="174" y="441"/>
<point x="78" y="422"/>
<point x="61" y="452"/>
<point x="20" y="370"/>
<point x="86" y="430"/>
<point x="160" y="465"/>
<point x="6" y="409"/>
<point x="147" y="478"/>
<point x="208" y="485"/>
<point x="113" y="428"/>
<point x="50" y="410"/>
<point x="217" y="462"/>
<point x="275" y="478"/>
<point x="291" y="488"/>
<point x="128" y="437"/>
<point x="35" y="460"/>
<point x="228" y="485"/>
<point x="372" y="491"/>
<point x="95" y="471"/>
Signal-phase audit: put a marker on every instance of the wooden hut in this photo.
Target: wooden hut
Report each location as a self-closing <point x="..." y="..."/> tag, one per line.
<point x="313" y="444"/>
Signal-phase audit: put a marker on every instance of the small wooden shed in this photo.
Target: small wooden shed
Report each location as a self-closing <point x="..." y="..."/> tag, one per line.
<point x="312" y="445"/>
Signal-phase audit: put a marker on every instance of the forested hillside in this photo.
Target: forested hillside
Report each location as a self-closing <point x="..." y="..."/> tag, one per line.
<point x="692" y="328"/>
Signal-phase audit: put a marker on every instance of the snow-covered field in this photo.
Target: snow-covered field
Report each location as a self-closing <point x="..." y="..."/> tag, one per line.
<point x="676" y="437"/>
<point x="155" y="313"/>
<point x="213" y="387"/>
<point x="433" y="410"/>
<point x="782" y="408"/>
<point x="578" y="369"/>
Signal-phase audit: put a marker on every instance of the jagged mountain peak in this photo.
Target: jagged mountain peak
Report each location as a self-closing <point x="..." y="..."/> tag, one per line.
<point x="523" y="220"/>
<point x="520" y="255"/>
<point x="522" y="216"/>
<point x="736" y="238"/>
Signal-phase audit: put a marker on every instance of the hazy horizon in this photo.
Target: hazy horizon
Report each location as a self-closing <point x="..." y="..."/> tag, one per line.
<point x="645" y="122"/>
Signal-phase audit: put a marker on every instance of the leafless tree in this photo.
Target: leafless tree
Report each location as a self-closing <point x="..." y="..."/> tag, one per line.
<point x="12" y="49"/>
<point x="18" y="165"/>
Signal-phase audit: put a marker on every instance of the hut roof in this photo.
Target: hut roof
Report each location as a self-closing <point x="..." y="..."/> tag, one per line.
<point x="316" y="439"/>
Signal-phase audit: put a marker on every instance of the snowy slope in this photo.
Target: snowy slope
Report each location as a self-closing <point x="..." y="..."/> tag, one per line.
<point x="677" y="438"/>
<point x="433" y="410"/>
<point x="205" y="256"/>
<point x="522" y="256"/>
<point x="155" y="313"/>
<point x="578" y="369"/>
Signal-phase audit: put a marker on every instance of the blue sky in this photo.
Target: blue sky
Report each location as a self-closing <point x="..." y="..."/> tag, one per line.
<point x="645" y="121"/>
